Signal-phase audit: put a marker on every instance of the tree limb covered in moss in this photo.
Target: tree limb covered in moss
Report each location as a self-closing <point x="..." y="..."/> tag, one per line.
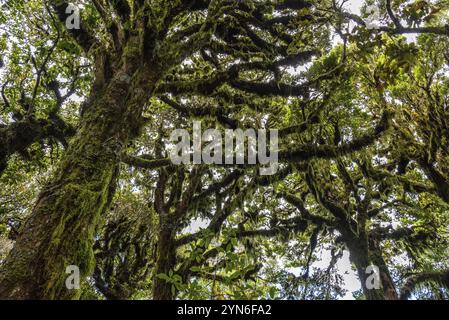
<point x="439" y="277"/>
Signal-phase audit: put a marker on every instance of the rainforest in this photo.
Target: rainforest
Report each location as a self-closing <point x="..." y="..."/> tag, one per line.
<point x="92" y="206"/>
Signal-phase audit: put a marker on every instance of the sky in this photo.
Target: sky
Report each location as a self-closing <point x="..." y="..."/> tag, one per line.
<point x="344" y="266"/>
<point x="351" y="281"/>
<point x="355" y="5"/>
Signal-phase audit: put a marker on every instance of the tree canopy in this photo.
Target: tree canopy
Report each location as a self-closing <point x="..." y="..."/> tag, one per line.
<point x="91" y="92"/>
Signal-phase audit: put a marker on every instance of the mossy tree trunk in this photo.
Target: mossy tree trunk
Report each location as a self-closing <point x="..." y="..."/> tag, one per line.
<point x="172" y="211"/>
<point x="363" y="254"/>
<point x="438" y="179"/>
<point x="61" y="227"/>
<point x="60" y="230"/>
<point x="166" y="262"/>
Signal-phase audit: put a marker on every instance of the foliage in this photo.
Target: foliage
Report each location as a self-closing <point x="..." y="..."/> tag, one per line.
<point x="85" y="124"/>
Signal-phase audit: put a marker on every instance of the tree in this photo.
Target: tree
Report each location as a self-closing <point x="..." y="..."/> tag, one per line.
<point x="227" y="63"/>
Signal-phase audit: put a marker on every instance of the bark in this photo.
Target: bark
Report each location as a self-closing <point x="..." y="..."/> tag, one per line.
<point x="363" y="255"/>
<point x="375" y="253"/>
<point x="18" y="136"/>
<point x="166" y="262"/>
<point x="60" y="230"/>
<point x="439" y="277"/>
<point x="438" y="179"/>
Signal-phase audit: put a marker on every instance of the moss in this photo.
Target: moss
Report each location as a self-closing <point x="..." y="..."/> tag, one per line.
<point x="61" y="229"/>
<point x="73" y="235"/>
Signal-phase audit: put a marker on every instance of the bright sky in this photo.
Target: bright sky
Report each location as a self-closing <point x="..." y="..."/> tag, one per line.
<point x="351" y="281"/>
<point x="344" y="266"/>
<point x="354" y="5"/>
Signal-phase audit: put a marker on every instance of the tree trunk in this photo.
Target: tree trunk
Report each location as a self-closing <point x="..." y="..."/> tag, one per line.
<point x="361" y="263"/>
<point x="438" y="179"/>
<point x="362" y="257"/>
<point x="166" y="261"/>
<point x="61" y="228"/>
<point x="375" y="253"/>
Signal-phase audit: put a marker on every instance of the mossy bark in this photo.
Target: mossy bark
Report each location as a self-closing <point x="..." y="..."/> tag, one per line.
<point x="364" y="254"/>
<point x="18" y="136"/>
<point x="62" y="225"/>
<point x="166" y="261"/>
<point x="438" y="179"/>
